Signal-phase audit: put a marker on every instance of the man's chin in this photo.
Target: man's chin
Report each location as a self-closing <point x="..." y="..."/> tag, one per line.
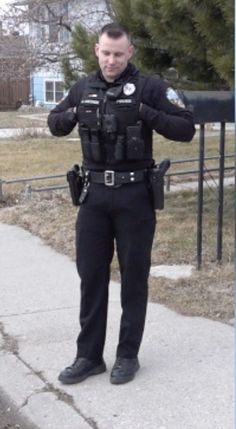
<point x="111" y="75"/>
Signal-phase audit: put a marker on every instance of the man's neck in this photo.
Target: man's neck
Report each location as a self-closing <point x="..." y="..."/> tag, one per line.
<point x="110" y="81"/>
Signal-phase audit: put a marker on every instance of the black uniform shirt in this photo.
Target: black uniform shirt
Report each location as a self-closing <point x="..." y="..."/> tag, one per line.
<point x="161" y="110"/>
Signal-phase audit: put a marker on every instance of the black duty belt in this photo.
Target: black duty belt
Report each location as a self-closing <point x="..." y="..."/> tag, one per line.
<point x="113" y="178"/>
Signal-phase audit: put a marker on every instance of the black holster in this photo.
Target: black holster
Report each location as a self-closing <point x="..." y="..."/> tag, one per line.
<point x="75" y="180"/>
<point x="156" y="180"/>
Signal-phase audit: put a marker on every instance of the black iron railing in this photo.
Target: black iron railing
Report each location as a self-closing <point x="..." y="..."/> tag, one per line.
<point x="210" y="107"/>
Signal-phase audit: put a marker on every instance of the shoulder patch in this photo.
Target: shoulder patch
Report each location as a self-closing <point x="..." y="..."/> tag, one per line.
<point x="174" y="98"/>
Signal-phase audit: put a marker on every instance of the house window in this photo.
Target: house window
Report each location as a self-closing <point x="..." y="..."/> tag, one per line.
<point x="54" y="91"/>
<point x="53" y="32"/>
<point x="64" y="33"/>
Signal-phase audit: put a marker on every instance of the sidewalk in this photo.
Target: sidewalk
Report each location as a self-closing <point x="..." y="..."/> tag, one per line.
<point x="186" y="375"/>
<point x="6" y="133"/>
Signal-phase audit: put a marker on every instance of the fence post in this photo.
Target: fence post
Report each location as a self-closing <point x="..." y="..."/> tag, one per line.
<point x="221" y="191"/>
<point x="167" y="183"/>
<point x="27" y="193"/>
<point x="1" y="192"/>
<point x="200" y="195"/>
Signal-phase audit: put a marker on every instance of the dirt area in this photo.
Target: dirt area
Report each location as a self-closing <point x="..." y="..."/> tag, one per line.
<point x="207" y="293"/>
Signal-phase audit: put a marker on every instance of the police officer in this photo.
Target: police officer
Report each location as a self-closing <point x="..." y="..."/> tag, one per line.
<point x="117" y="109"/>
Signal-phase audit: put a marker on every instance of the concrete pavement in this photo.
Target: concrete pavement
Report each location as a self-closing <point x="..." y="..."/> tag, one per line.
<point x="186" y="375"/>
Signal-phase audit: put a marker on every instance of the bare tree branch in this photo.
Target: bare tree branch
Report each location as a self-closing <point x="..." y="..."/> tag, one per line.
<point x="47" y="23"/>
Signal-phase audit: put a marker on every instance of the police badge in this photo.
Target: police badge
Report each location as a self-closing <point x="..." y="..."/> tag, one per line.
<point x="129" y="88"/>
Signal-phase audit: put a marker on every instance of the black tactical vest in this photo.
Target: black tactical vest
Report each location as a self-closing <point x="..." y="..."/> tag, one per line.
<point x="109" y="125"/>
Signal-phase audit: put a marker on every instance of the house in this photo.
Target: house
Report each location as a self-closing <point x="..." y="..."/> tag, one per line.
<point x="46" y="87"/>
<point x="49" y="37"/>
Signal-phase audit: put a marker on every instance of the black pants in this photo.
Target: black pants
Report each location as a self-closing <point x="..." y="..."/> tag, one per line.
<point x="125" y="216"/>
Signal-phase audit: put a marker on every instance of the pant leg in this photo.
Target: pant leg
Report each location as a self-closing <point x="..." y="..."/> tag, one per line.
<point x="135" y="227"/>
<point x="94" y="249"/>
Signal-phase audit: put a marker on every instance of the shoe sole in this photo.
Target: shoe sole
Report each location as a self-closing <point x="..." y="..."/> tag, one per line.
<point x="120" y="380"/>
<point x="94" y="371"/>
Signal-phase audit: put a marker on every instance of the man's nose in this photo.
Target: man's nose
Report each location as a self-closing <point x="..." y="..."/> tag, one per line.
<point x="111" y="59"/>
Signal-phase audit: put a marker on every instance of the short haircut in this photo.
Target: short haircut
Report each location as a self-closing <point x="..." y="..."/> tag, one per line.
<point x="115" y="31"/>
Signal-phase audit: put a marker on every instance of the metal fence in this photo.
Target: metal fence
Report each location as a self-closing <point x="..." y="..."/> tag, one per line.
<point x="28" y="181"/>
<point x="210" y="107"/>
<point x="29" y="188"/>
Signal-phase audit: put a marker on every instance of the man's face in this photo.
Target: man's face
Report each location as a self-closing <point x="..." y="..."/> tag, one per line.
<point x="113" y="55"/>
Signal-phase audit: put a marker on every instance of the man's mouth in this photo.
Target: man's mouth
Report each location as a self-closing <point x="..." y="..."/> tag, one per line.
<point x="110" y="69"/>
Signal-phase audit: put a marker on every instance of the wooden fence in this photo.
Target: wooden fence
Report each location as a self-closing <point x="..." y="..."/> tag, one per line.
<point x="14" y="92"/>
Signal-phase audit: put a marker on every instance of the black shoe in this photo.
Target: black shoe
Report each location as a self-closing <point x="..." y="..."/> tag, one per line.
<point x="81" y="369"/>
<point x="124" y="370"/>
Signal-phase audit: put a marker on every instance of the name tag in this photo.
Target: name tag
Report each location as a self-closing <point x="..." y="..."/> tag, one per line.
<point x="93" y="102"/>
<point x="124" y="101"/>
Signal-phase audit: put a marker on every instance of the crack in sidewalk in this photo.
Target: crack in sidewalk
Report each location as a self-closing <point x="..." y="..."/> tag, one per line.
<point x="10" y="345"/>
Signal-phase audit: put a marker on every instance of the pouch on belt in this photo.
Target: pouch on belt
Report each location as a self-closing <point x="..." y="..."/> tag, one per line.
<point x="156" y="179"/>
<point x="76" y="183"/>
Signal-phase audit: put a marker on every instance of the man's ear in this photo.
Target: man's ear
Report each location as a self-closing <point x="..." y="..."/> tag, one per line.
<point x="131" y="51"/>
<point x="96" y="49"/>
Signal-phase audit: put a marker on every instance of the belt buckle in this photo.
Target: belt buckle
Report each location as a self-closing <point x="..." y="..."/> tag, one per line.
<point x="109" y="177"/>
